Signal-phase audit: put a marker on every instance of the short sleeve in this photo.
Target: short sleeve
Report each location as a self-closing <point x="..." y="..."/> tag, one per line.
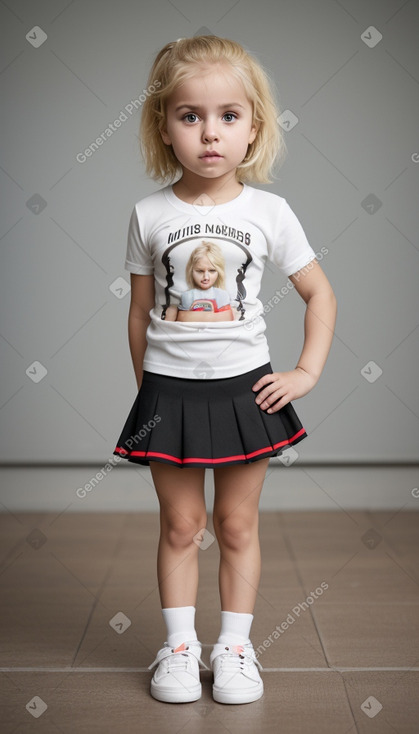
<point x="223" y="298"/>
<point x="186" y="300"/>
<point x="289" y="248"/>
<point x="138" y="257"/>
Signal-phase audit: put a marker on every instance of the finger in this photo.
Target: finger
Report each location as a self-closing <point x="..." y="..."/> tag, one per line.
<point x="264" y="394"/>
<point x="275" y="385"/>
<point x="272" y="398"/>
<point x="280" y="404"/>
<point x="265" y="379"/>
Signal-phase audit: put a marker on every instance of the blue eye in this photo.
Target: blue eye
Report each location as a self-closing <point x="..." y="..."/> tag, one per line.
<point x="230" y="114"/>
<point x="190" y="114"/>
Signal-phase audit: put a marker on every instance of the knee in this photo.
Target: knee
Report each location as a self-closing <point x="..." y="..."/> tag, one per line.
<point x="181" y="532"/>
<point x="235" y="533"/>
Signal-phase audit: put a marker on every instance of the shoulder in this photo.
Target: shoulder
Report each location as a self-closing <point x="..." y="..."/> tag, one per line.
<point x="152" y="201"/>
<point x="221" y="294"/>
<point x="269" y="198"/>
<point x="189" y="295"/>
<point x="186" y="299"/>
<point x="266" y="204"/>
<point x="275" y="211"/>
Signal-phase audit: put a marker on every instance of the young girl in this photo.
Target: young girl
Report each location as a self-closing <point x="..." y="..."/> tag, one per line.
<point x="208" y="397"/>
<point x="205" y="277"/>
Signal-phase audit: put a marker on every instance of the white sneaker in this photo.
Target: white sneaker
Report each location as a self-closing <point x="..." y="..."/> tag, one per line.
<point x="236" y="677"/>
<point x="176" y="679"/>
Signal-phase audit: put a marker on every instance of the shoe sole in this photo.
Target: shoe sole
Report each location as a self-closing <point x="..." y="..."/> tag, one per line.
<point x="176" y="696"/>
<point x="220" y="695"/>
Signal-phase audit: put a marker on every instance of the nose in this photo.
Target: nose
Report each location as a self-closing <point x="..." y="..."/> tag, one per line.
<point x="209" y="132"/>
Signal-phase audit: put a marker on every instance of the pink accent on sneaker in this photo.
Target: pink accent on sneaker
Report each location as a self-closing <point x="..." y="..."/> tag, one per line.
<point x="237" y="649"/>
<point x="180" y="648"/>
<point x="176" y="679"/>
<point x="236" y="676"/>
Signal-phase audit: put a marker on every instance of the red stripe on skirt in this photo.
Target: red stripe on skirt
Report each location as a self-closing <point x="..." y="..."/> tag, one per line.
<point x="147" y="454"/>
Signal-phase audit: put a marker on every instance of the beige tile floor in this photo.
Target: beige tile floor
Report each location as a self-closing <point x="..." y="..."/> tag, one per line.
<point x="347" y="660"/>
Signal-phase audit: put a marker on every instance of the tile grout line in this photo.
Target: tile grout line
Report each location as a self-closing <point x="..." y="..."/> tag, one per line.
<point x="292" y="556"/>
<point x="265" y="670"/>
<point x="102" y="586"/>
<point x="318" y="631"/>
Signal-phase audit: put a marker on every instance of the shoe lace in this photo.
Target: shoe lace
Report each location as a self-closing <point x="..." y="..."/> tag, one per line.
<point x="237" y="656"/>
<point x="176" y="659"/>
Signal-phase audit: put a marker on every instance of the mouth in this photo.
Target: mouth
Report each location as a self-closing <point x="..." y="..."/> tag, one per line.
<point x="211" y="154"/>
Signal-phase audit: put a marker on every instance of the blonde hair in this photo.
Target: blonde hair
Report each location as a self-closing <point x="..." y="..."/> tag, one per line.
<point x="214" y="254"/>
<point x="183" y="59"/>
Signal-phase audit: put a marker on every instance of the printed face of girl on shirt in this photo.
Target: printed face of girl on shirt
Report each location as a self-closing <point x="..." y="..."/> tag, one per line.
<point x="204" y="273"/>
<point x="205" y="269"/>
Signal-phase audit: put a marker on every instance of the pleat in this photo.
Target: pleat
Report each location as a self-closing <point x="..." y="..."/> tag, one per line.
<point x="139" y="426"/>
<point x="255" y="437"/>
<point x="284" y="427"/>
<point x="166" y="439"/>
<point x="225" y="438"/>
<point x="205" y="423"/>
<point x="147" y="410"/>
<point x="196" y="432"/>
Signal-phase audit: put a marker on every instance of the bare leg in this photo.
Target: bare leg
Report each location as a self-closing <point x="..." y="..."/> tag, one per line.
<point x="182" y="514"/>
<point x="236" y="525"/>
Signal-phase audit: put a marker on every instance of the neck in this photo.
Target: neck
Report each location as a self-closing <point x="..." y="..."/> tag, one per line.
<point x="196" y="190"/>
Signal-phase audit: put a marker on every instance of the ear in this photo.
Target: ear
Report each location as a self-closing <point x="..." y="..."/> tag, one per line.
<point x="253" y="132"/>
<point x="165" y="136"/>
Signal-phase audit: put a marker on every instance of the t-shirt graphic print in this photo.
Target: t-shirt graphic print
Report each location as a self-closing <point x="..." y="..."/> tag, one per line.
<point x="205" y="273"/>
<point x="208" y="263"/>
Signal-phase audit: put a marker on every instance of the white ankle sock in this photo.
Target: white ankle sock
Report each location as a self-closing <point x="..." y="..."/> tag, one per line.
<point x="180" y="624"/>
<point x="235" y="627"/>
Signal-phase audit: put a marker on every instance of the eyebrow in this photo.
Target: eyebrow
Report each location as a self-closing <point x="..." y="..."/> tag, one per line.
<point x="220" y="106"/>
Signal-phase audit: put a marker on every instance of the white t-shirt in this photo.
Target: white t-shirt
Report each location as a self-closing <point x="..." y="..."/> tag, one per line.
<point x="208" y="262"/>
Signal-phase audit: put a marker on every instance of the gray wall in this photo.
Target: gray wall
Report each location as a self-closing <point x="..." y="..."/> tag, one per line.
<point x="64" y="223"/>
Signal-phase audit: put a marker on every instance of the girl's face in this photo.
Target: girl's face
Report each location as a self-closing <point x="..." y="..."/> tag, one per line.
<point x="204" y="273"/>
<point x="209" y="113"/>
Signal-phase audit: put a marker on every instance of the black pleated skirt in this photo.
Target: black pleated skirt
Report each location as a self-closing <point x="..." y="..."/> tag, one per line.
<point x="207" y="423"/>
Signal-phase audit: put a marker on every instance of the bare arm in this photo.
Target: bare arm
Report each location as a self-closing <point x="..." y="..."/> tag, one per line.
<point x="142" y="301"/>
<point x="319" y="323"/>
<point x="320" y="317"/>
